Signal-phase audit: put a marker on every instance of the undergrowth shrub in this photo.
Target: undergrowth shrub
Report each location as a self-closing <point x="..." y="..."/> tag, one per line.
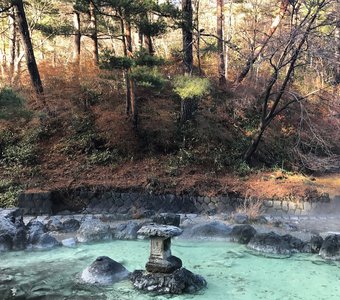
<point x="143" y="58"/>
<point x="148" y="77"/>
<point x="86" y="140"/>
<point x="18" y="150"/>
<point x="83" y="138"/>
<point x="12" y="106"/>
<point x="89" y="96"/>
<point x="9" y="192"/>
<point x="191" y="87"/>
<point x="109" y="61"/>
<point x="104" y="157"/>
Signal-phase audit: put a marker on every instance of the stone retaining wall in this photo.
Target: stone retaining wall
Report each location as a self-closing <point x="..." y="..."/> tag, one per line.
<point x="104" y="200"/>
<point x="320" y="204"/>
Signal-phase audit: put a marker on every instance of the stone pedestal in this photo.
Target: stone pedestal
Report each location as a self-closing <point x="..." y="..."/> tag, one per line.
<point x="161" y="260"/>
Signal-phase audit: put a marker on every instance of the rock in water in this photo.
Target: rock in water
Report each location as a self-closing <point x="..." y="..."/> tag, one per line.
<point x="104" y="271"/>
<point x="35" y="229"/>
<point x="127" y="231"/>
<point x="46" y="241"/>
<point x="20" y="239"/>
<point x="208" y="230"/>
<point x="276" y="244"/>
<point x="93" y="230"/>
<point x="242" y="234"/>
<point x="7" y="226"/>
<point x="6" y="242"/>
<point x="179" y="282"/>
<point x="316" y="243"/>
<point x="330" y="248"/>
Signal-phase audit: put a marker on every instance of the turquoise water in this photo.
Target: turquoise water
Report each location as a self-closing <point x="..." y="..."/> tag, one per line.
<point x="232" y="271"/>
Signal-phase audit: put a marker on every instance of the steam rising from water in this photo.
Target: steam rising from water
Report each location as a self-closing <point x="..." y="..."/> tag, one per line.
<point x="232" y="272"/>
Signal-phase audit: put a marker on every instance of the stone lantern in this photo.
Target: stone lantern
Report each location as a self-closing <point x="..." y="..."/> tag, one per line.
<point x="164" y="273"/>
<point x="160" y="259"/>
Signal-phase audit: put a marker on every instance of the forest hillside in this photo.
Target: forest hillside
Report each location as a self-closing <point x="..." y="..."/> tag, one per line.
<point x="184" y="96"/>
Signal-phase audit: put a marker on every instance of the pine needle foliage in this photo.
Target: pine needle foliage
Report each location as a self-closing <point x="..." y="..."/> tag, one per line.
<point x="191" y="87"/>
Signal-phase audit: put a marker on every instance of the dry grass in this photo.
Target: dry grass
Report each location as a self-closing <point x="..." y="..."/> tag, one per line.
<point x="251" y="206"/>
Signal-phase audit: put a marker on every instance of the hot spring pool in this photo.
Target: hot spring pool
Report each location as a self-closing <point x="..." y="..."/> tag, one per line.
<point x="232" y="272"/>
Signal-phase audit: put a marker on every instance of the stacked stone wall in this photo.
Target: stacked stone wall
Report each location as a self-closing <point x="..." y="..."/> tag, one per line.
<point x="104" y="200"/>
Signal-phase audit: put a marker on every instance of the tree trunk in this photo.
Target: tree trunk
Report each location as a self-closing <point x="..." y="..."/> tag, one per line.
<point x="126" y="72"/>
<point x="188" y="107"/>
<point x="149" y="44"/>
<point x="187" y="36"/>
<point x="12" y="43"/>
<point x="2" y="65"/>
<point x="131" y="85"/>
<point x="275" y="24"/>
<point x="254" y="144"/>
<point x="77" y="38"/>
<point x="27" y="43"/>
<point x="198" y="42"/>
<point x="140" y="40"/>
<point x="3" y="52"/>
<point x="337" y="43"/>
<point x="228" y="31"/>
<point x="131" y="101"/>
<point x="93" y="31"/>
<point x="18" y="57"/>
<point x="220" y="43"/>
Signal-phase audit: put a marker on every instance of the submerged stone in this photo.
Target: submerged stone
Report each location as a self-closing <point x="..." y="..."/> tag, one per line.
<point x="104" y="271"/>
<point x="71" y="242"/>
<point x="179" y="282"/>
